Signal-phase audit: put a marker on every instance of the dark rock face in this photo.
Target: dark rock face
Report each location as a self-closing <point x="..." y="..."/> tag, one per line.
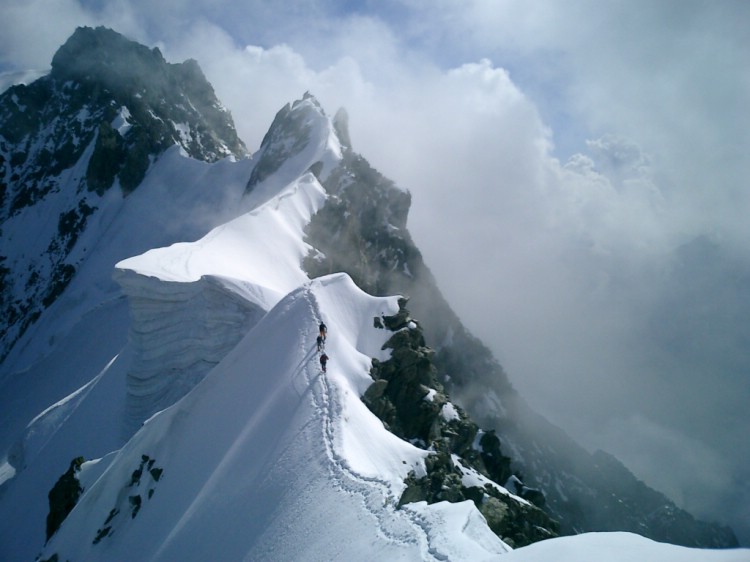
<point x="362" y="229"/>
<point x="410" y="401"/>
<point x="63" y="497"/>
<point x="135" y="495"/>
<point x="112" y="71"/>
<point x="288" y="135"/>
<point x="108" y="109"/>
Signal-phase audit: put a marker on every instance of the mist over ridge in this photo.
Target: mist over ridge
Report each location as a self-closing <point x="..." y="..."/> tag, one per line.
<point x="634" y="303"/>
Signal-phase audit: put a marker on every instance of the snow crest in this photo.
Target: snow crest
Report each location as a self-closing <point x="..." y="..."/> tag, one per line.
<point x="261" y="456"/>
<point x="191" y="303"/>
<point x="301" y="139"/>
<point x="244" y="438"/>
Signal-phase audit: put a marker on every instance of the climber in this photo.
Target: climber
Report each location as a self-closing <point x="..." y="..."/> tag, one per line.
<point x="323" y="361"/>
<point x="320" y="342"/>
<point x="323" y="331"/>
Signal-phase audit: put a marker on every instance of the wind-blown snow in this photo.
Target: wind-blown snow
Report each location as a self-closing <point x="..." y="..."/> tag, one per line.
<point x="322" y="147"/>
<point x="192" y="302"/>
<point x="263" y="247"/>
<point x="79" y="335"/>
<point x="273" y="459"/>
<point x="267" y="452"/>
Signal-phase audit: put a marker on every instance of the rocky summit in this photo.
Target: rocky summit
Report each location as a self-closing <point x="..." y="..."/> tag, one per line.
<point x="107" y="111"/>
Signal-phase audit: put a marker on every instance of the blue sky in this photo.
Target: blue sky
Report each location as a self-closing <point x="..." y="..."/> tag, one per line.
<point x="579" y="175"/>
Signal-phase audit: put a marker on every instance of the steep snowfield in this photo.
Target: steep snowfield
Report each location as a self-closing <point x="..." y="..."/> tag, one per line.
<point x="55" y="369"/>
<point x="180" y="199"/>
<point x="269" y="458"/>
<point x="267" y="453"/>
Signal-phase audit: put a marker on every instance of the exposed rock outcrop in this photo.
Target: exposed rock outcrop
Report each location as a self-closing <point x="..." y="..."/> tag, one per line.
<point x="465" y="463"/>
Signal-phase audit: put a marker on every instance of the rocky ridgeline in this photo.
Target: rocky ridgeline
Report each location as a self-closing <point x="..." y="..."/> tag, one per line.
<point x="466" y="463"/>
<point x="108" y="109"/>
<point x="288" y="135"/>
<point x="362" y="230"/>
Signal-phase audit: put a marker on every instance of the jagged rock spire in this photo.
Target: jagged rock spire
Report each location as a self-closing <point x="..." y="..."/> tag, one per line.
<point x="301" y="138"/>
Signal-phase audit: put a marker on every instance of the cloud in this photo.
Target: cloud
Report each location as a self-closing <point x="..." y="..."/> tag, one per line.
<point x="692" y="472"/>
<point x="30" y="32"/>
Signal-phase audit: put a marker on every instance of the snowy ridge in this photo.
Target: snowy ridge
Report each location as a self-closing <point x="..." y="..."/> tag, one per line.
<point x="619" y="547"/>
<point x="173" y="336"/>
<point x="180" y="199"/>
<point x="70" y="141"/>
<point x="264" y="438"/>
<point x="302" y="138"/>
<point x="214" y="431"/>
<point x="264" y="246"/>
<point x="191" y="303"/>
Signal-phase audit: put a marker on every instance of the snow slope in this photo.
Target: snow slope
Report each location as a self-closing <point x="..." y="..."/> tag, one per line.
<point x="266" y="453"/>
<point x="269" y="458"/>
<point x="221" y="285"/>
<point x="619" y="547"/>
<point x="78" y="337"/>
<point x="81" y="342"/>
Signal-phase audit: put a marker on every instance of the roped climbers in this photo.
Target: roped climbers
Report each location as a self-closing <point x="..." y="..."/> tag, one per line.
<point x="321" y="343"/>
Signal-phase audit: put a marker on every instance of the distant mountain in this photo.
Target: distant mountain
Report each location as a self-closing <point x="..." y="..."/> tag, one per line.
<point x="106" y="112"/>
<point x="160" y="376"/>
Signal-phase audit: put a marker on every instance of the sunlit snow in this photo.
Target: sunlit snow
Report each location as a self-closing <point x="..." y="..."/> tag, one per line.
<point x="239" y="447"/>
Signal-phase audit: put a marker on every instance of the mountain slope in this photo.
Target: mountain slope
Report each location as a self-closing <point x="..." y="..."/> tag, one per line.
<point x="254" y="439"/>
<point x="106" y="112"/>
<point x="180" y="199"/>
<point x="215" y="431"/>
<point x="262" y="438"/>
<point x="194" y="289"/>
<point x="85" y="334"/>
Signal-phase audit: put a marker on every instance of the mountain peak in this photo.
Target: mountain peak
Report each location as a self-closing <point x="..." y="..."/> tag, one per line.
<point x="119" y="72"/>
<point x="301" y="138"/>
<point x="107" y="112"/>
<point x="103" y="54"/>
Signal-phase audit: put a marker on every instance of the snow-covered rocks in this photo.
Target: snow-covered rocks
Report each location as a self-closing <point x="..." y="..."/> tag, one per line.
<point x="302" y="138"/>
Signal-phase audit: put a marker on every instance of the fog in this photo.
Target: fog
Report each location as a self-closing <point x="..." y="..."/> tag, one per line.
<point x="579" y="181"/>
